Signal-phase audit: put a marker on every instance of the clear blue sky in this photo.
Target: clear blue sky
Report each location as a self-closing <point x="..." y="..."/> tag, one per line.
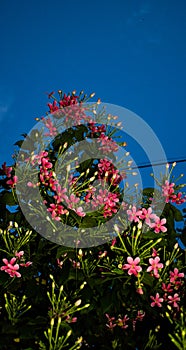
<point x="130" y="52"/>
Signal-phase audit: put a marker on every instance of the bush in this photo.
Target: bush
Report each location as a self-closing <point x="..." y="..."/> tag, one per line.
<point x="110" y="277"/>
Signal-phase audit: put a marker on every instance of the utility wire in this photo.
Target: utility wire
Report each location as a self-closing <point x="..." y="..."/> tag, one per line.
<point x="148" y="165"/>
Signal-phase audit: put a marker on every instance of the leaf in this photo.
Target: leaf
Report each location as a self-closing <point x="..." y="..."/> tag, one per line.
<point x="149" y="191"/>
<point x="7" y="198"/>
<point x="88" y="222"/>
<point x="18" y="143"/>
<point x="177" y="213"/>
<point x="63" y="250"/>
<point x="183" y="236"/>
<point x="150" y="235"/>
<point x="147" y="279"/>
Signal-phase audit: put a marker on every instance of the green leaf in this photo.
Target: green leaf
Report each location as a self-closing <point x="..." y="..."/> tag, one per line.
<point x="149" y="191"/>
<point x="89" y="222"/>
<point x="183" y="236"/>
<point x="7" y="198"/>
<point x="18" y="143"/>
<point x="147" y="279"/>
<point x="177" y="213"/>
<point x="151" y="235"/>
<point x="62" y="250"/>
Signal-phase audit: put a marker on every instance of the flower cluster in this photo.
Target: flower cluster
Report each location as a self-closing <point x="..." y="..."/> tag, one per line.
<point x="108" y="173"/>
<point x="168" y="192"/>
<point x="146" y="214"/>
<point x="11" y="267"/>
<point x="123" y="322"/>
<point x="12" y="180"/>
<point x="66" y="100"/>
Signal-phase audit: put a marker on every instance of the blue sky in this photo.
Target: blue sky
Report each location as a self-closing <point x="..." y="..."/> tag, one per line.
<point x="132" y="53"/>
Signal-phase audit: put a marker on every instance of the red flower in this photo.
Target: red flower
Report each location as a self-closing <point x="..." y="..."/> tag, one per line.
<point x="12" y="182"/>
<point x="156" y="300"/>
<point x="178" y="198"/>
<point x="53" y="106"/>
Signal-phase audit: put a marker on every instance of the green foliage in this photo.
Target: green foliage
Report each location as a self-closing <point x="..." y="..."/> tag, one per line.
<point x="71" y="298"/>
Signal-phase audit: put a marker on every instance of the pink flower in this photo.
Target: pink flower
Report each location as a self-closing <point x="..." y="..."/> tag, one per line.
<point x="110" y="321"/>
<point x="102" y="254"/>
<point x="19" y="254"/>
<point x="100" y="199"/>
<point x="53" y="106"/>
<point x="11" y="268"/>
<point x="113" y="242"/>
<point x="147" y="215"/>
<point x="107" y="144"/>
<point x="12" y="182"/>
<point x="110" y="204"/>
<point x="139" y="290"/>
<point x="173" y="300"/>
<point x="156" y="300"/>
<point x="68" y="100"/>
<point x="37" y="157"/>
<point x="167" y="190"/>
<point x="61" y="194"/>
<point x="158" y="225"/>
<point x="133" y="215"/>
<point x="71" y="319"/>
<point x="122" y="322"/>
<point x="52" y="129"/>
<point x="154" y="252"/>
<point x="79" y="211"/>
<point x="175" y="275"/>
<point x="104" y="165"/>
<point x="30" y="184"/>
<point x="132" y="266"/>
<point x="57" y="210"/>
<point x="72" y="200"/>
<point x="45" y="164"/>
<point x="140" y="315"/>
<point x="178" y="198"/>
<point x="28" y="263"/>
<point x="155" y="265"/>
<point x="167" y="287"/>
<point x="60" y="263"/>
<point x="7" y="170"/>
<point x="52" y="183"/>
<point x="89" y="194"/>
<point x="94" y="129"/>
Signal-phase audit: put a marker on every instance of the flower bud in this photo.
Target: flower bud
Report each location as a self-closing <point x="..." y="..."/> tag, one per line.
<point x="69" y="333"/>
<point x="78" y="302"/>
<point x="80" y="252"/>
<point x="92" y="94"/>
<point x="52" y="322"/>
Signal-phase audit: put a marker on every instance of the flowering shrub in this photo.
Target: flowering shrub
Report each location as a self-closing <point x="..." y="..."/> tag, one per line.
<point x="125" y="293"/>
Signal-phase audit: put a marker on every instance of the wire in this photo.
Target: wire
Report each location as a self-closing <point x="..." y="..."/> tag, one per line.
<point x="148" y="165"/>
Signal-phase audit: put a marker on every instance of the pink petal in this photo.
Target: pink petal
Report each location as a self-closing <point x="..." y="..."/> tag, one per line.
<point x="150" y="268"/>
<point x="157" y="259"/>
<point x="5" y="261"/>
<point x="130" y="260"/>
<point x="136" y="260"/>
<point x="12" y="261"/>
